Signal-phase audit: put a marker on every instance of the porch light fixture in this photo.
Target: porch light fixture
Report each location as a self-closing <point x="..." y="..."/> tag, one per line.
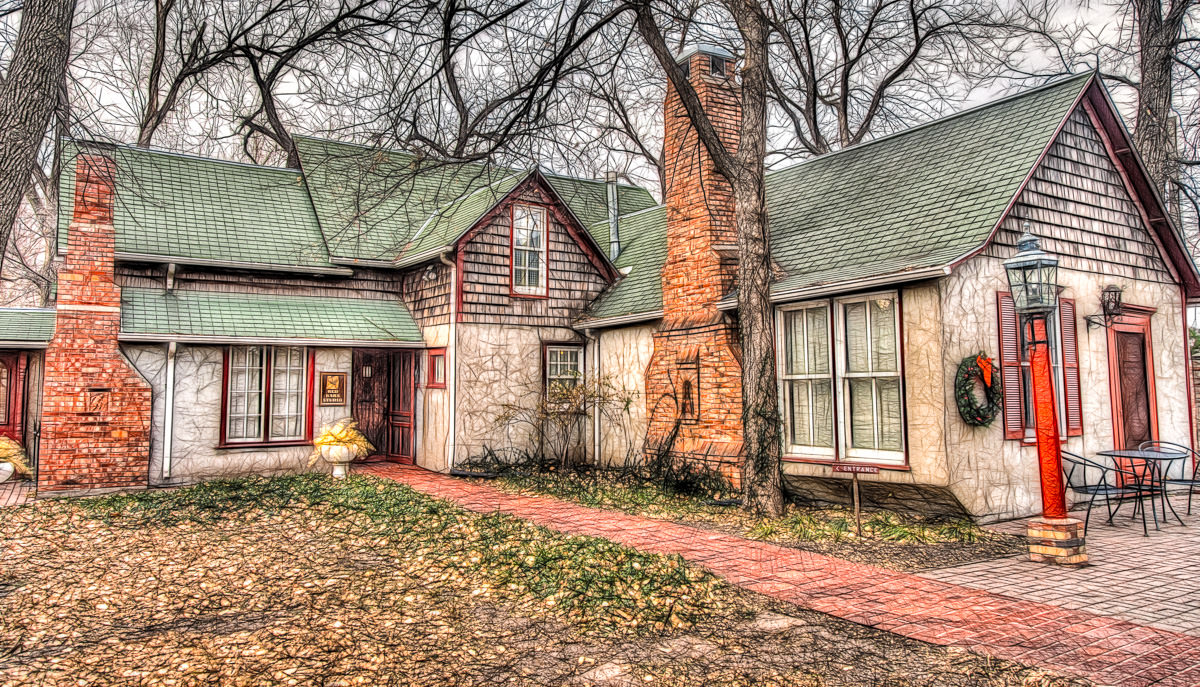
<point x="1110" y="307"/>
<point x="1032" y="276"/>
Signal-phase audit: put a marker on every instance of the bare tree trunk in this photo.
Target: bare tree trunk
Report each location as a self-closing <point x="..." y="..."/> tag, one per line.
<point x="761" y="474"/>
<point x="28" y="97"/>
<point x="1158" y="38"/>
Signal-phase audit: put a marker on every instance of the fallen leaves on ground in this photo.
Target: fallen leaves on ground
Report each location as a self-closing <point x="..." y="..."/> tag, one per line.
<point x="302" y="580"/>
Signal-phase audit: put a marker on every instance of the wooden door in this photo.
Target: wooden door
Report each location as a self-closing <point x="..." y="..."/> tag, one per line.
<point x="12" y="375"/>
<point x="382" y="389"/>
<point x="1135" y="394"/>
<point x="1131" y="379"/>
<point x="400" y="411"/>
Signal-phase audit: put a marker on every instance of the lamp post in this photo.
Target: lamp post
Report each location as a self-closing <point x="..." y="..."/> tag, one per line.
<point x="1033" y="279"/>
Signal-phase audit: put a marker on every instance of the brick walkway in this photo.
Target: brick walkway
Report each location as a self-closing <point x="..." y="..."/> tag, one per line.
<point x="1109" y="651"/>
<point x="15" y="493"/>
<point x="1147" y="580"/>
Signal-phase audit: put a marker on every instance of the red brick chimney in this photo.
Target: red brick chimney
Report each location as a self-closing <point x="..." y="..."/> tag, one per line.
<point x="693" y="384"/>
<point x="95" y="407"/>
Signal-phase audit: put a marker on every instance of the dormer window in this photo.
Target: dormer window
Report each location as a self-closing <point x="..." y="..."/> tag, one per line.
<point x="716" y="66"/>
<point x="529" y="260"/>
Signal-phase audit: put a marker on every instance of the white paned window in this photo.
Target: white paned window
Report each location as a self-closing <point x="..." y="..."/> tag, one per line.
<point x="840" y="385"/>
<point x="244" y="403"/>
<point x="807" y="373"/>
<point x="564" y="366"/>
<point x="288" y="373"/>
<point x="870" y="378"/>
<point x="529" y="250"/>
<point x="267" y="395"/>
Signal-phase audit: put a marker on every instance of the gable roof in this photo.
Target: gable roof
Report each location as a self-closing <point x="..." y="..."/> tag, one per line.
<point x="203" y="211"/>
<point x="26" y="327"/>
<point x="384" y="205"/>
<point x="910" y="205"/>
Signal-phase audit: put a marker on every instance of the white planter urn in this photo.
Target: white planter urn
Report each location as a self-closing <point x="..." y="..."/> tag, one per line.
<point x="6" y="472"/>
<point x="339" y="456"/>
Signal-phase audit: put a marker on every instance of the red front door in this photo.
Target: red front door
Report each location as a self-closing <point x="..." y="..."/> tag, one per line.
<point x="12" y="383"/>
<point x="383" y="387"/>
<point x="1131" y="377"/>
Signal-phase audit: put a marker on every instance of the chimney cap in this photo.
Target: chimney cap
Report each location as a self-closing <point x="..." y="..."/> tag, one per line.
<point x="705" y="48"/>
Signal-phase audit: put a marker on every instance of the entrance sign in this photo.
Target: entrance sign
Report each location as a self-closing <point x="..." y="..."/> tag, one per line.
<point x="856" y="469"/>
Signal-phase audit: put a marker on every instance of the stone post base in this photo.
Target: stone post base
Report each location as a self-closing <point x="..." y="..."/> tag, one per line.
<point x="1056" y="541"/>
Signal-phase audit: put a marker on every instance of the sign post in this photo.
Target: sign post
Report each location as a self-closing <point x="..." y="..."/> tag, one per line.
<point x="855" y="471"/>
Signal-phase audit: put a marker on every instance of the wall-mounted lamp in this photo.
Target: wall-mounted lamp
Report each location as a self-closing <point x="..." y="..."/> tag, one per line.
<point x="365" y="372"/>
<point x="1110" y="308"/>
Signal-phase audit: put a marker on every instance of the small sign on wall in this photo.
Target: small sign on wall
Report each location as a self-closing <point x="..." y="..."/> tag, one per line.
<point x="333" y="389"/>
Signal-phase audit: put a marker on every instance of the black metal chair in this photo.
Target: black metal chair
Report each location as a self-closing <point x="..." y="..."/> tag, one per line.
<point x="1114" y="483"/>
<point x="1192" y="483"/>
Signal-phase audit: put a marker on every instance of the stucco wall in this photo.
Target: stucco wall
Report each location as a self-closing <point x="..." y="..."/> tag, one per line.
<point x="925" y="395"/>
<point x="197" y="416"/>
<point x="623" y="356"/>
<point x="997" y="478"/>
<point x="433" y="405"/>
<point x="496" y="367"/>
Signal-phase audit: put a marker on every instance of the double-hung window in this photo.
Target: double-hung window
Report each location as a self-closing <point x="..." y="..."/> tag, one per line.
<point x="564" y="367"/>
<point x="529" y="258"/>
<point x="841" y="386"/>
<point x="266" y="394"/>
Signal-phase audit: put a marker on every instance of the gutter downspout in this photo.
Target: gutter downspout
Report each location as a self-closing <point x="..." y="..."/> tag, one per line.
<point x="597" y="442"/>
<point x="169" y="411"/>
<point x="452" y="362"/>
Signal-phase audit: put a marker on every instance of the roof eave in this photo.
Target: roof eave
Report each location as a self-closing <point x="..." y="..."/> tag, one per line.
<point x="124" y="256"/>
<point x="619" y="320"/>
<point x="143" y="337"/>
<point x="800" y="293"/>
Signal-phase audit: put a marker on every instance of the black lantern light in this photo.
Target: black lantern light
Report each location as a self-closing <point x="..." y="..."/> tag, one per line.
<point x="1032" y="276"/>
<point x="1110" y="307"/>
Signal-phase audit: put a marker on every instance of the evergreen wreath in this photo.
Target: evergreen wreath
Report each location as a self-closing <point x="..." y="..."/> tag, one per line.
<point x="981" y="369"/>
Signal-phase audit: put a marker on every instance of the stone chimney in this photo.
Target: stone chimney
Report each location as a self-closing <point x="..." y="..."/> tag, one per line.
<point x="701" y="234"/>
<point x="95" y="407"/>
<point x="693" y="382"/>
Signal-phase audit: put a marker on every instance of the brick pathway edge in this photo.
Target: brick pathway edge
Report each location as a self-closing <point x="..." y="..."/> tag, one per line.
<point x="1108" y="651"/>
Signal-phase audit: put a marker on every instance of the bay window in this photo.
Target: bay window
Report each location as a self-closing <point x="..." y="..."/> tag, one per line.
<point x="841" y="387"/>
<point x="529" y="257"/>
<point x="266" y="395"/>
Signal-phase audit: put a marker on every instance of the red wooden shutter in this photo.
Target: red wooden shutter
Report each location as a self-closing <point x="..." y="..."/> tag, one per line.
<point x="1070" y="351"/>
<point x="1010" y="366"/>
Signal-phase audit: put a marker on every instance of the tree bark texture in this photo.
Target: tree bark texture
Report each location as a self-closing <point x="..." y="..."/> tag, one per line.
<point x="1159" y="35"/>
<point x="761" y="471"/>
<point x="28" y="96"/>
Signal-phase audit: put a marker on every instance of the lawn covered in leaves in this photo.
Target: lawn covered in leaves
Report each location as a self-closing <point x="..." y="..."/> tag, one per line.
<point x="303" y="580"/>
<point x="888" y="539"/>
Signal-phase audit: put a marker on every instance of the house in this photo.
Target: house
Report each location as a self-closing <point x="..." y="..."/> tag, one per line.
<point x="211" y="314"/>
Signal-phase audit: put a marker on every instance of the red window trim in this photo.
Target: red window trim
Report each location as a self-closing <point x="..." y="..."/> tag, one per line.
<point x="430" y="354"/>
<point x="224" y="443"/>
<point x="512" y="251"/>
<point x="1008" y="329"/>
<point x="15" y="422"/>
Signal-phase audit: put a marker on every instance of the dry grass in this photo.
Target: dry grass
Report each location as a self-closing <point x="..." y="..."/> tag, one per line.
<point x="302" y="580"/>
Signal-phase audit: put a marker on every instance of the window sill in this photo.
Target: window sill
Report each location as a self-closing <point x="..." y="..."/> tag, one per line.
<point x="264" y="444"/>
<point x="829" y="461"/>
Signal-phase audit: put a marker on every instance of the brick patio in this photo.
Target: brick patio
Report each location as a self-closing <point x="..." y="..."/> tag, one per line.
<point x="1108" y="650"/>
<point x="1146" y="580"/>
<point x="16" y="493"/>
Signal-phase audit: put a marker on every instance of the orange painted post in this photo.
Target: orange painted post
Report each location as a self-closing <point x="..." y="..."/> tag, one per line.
<point x="1054" y="501"/>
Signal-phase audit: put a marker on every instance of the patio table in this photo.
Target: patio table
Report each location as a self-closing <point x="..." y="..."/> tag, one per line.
<point x="1158" y="463"/>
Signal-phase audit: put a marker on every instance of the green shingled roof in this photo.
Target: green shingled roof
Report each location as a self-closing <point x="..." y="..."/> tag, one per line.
<point x="21" y="327"/>
<point x="643" y="252"/>
<point x="179" y="206"/>
<point x="377" y="204"/>
<point x="920" y="198"/>
<point x="917" y="199"/>
<point x="156" y="314"/>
